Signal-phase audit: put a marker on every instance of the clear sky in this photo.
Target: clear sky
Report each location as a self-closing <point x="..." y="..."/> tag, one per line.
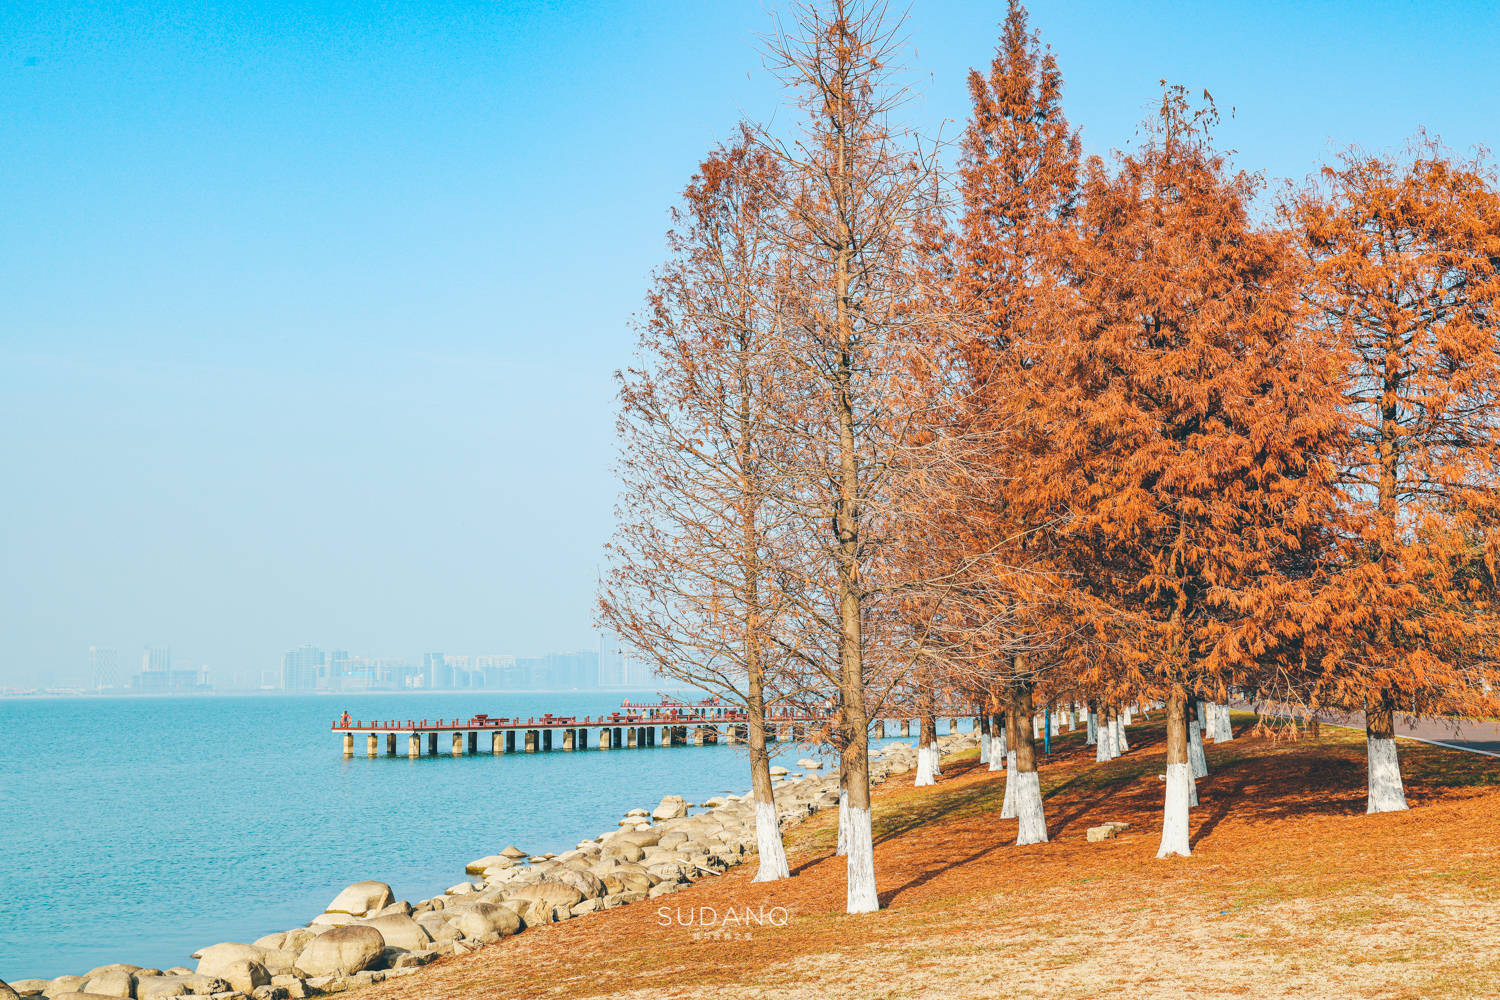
<point x="308" y="311"/>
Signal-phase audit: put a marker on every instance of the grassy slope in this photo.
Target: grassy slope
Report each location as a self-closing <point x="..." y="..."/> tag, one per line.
<point x="1292" y="891"/>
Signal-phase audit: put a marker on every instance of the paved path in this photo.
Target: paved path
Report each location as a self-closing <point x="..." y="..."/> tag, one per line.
<point x="1460" y="734"/>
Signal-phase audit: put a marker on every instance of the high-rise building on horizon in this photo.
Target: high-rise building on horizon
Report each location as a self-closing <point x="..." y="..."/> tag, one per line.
<point x="299" y="668"/>
<point x="104" y="668"/>
<point x="156" y="658"/>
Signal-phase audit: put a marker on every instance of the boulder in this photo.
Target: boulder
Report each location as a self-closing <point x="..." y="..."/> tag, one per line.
<point x="64" y="984"/>
<point x="116" y="983"/>
<point x="412" y="959"/>
<point x="778" y="771"/>
<point x="162" y="987"/>
<point x="537" y="902"/>
<point x="216" y="959"/>
<point x="27" y="988"/>
<point x="331" y="920"/>
<point x="81" y="996"/>
<point x="342" y="951"/>
<point x="361" y="899"/>
<point x="244" y="974"/>
<point x="585" y="882"/>
<point x="112" y="967"/>
<point x="7" y="993"/>
<point x="400" y="931"/>
<point x="438" y="928"/>
<point x="671" y="807"/>
<point x="479" y="919"/>
<point x="491" y="861"/>
<point x="811" y="765"/>
<point x="513" y="852"/>
<point x="399" y="908"/>
<point x="462" y="889"/>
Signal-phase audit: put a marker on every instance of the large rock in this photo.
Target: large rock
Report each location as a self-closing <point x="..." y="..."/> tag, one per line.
<point x="671" y="807"/>
<point x="162" y="987"/>
<point x="64" y="984"/>
<point x="116" y="983"/>
<point x="479" y="919"/>
<point x="362" y="899"/>
<point x="216" y="960"/>
<point x="81" y="996"/>
<point x="27" y="987"/>
<point x="490" y="861"/>
<point x="513" y="852"/>
<point x="537" y="902"/>
<point x="342" y="951"/>
<point x="6" y="993"/>
<point x="584" y="881"/>
<point x="400" y="932"/>
<point x="244" y="975"/>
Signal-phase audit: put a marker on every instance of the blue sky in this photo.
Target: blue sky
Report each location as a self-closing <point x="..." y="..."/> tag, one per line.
<point x="310" y="310"/>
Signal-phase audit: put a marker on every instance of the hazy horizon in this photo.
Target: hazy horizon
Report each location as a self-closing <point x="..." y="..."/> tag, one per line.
<point x="311" y="313"/>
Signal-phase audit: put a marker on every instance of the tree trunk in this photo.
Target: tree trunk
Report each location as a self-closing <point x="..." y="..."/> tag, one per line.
<point x="1093" y="724"/>
<point x="1028" y="799"/>
<point x="1386" y="792"/>
<point x="1195" y="745"/>
<point x="984" y="737"/>
<point x="1174" y="822"/>
<point x="843" y="848"/>
<point x="1008" y="755"/>
<point x="1122" y="745"/>
<point x="927" y="751"/>
<point x="767" y="825"/>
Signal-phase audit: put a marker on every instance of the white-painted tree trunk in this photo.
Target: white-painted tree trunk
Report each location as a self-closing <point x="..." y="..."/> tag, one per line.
<point x="1122" y="745"/>
<point x="1093" y="739"/>
<point x="1174" y="820"/>
<point x="1036" y="727"/>
<point x="925" y="755"/>
<point x="768" y="843"/>
<point x="1223" y="728"/>
<point x="1386" y="792"/>
<point x="1126" y="715"/>
<point x="937" y="761"/>
<point x="843" y="847"/>
<point x="1033" y="818"/>
<point x="1105" y="749"/>
<point x="861" y="864"/>
<point x="1008" y="807"/>
<point x="997" y="751"/>
<point x="984" y="747"/>
<point x="1195" y="750"/>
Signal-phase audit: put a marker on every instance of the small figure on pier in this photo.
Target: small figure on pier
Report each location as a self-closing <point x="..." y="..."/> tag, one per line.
<point x="344" y="721"/>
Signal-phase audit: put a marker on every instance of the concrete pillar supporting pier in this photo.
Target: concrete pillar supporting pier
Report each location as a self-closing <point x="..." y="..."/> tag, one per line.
<point x="390" y="744"/>
<point x="348" y="744"/>
<point x="630" y="737"/>
<point x="531" y="735"/>
<point x="568" y="739"/>
<point x="880" y="729"/>
<point x="650" y="732"/>
<point x="432" y="744"/>
<point x="414" y="746"/>
<point x="737" y="734"/>
<point x="547" y="740"/>
<point x="510" y="741"/>
<point x="952" y="725"/>
<point x="473" y="743"/>
<point x="458" y="744"/>
<point x="372" y="746"/>
<point x="583" y="739"/>
<point x="606" y="738"/>
<point x="905" y="727"/>
<point x="497" y="743"/>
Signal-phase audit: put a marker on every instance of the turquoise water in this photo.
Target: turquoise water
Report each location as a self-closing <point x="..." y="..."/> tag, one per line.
<point x="141" y="829"/>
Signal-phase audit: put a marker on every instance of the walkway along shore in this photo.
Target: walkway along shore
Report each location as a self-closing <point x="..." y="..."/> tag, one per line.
<point x="365" y="935"/>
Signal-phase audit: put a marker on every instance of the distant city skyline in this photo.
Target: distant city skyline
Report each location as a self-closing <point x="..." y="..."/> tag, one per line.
<point x="310" y="668"/>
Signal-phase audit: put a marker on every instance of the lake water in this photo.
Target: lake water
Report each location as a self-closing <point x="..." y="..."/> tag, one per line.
<point x="142" y="829"/>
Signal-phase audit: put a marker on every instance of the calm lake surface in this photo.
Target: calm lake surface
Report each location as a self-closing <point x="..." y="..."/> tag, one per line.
<point x="142" y="829"/>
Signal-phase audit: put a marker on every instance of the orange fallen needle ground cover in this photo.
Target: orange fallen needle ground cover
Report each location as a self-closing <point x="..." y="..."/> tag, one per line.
<point x="1292" y="892"/>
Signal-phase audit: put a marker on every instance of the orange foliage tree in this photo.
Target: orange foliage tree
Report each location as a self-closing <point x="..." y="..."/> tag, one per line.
<point x="1402" y="255"/>
<point x="1179" y="429"/>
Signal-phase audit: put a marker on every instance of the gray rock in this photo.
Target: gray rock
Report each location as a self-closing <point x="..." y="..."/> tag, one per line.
<point x="671" y="807"/>
<point x="412" y="959"/>
<point x="294" y="986"/>
<point x="341" y="951"/>
<point x="28" y="987"/>
<point x="64" y="984"/>
<point x="585" y="882"/>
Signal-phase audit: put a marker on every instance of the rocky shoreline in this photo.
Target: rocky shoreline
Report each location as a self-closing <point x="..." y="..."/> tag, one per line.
<point x="365" y="935"/>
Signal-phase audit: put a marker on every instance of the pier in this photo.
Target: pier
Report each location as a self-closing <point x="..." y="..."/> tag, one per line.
<point x="665" y="723"/>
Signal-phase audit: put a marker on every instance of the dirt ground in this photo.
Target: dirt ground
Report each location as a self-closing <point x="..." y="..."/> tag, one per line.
<point x="1292" y="891"/>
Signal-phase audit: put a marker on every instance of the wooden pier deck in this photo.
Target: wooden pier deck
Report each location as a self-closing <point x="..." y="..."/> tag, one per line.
<point x="677" y="723"/>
